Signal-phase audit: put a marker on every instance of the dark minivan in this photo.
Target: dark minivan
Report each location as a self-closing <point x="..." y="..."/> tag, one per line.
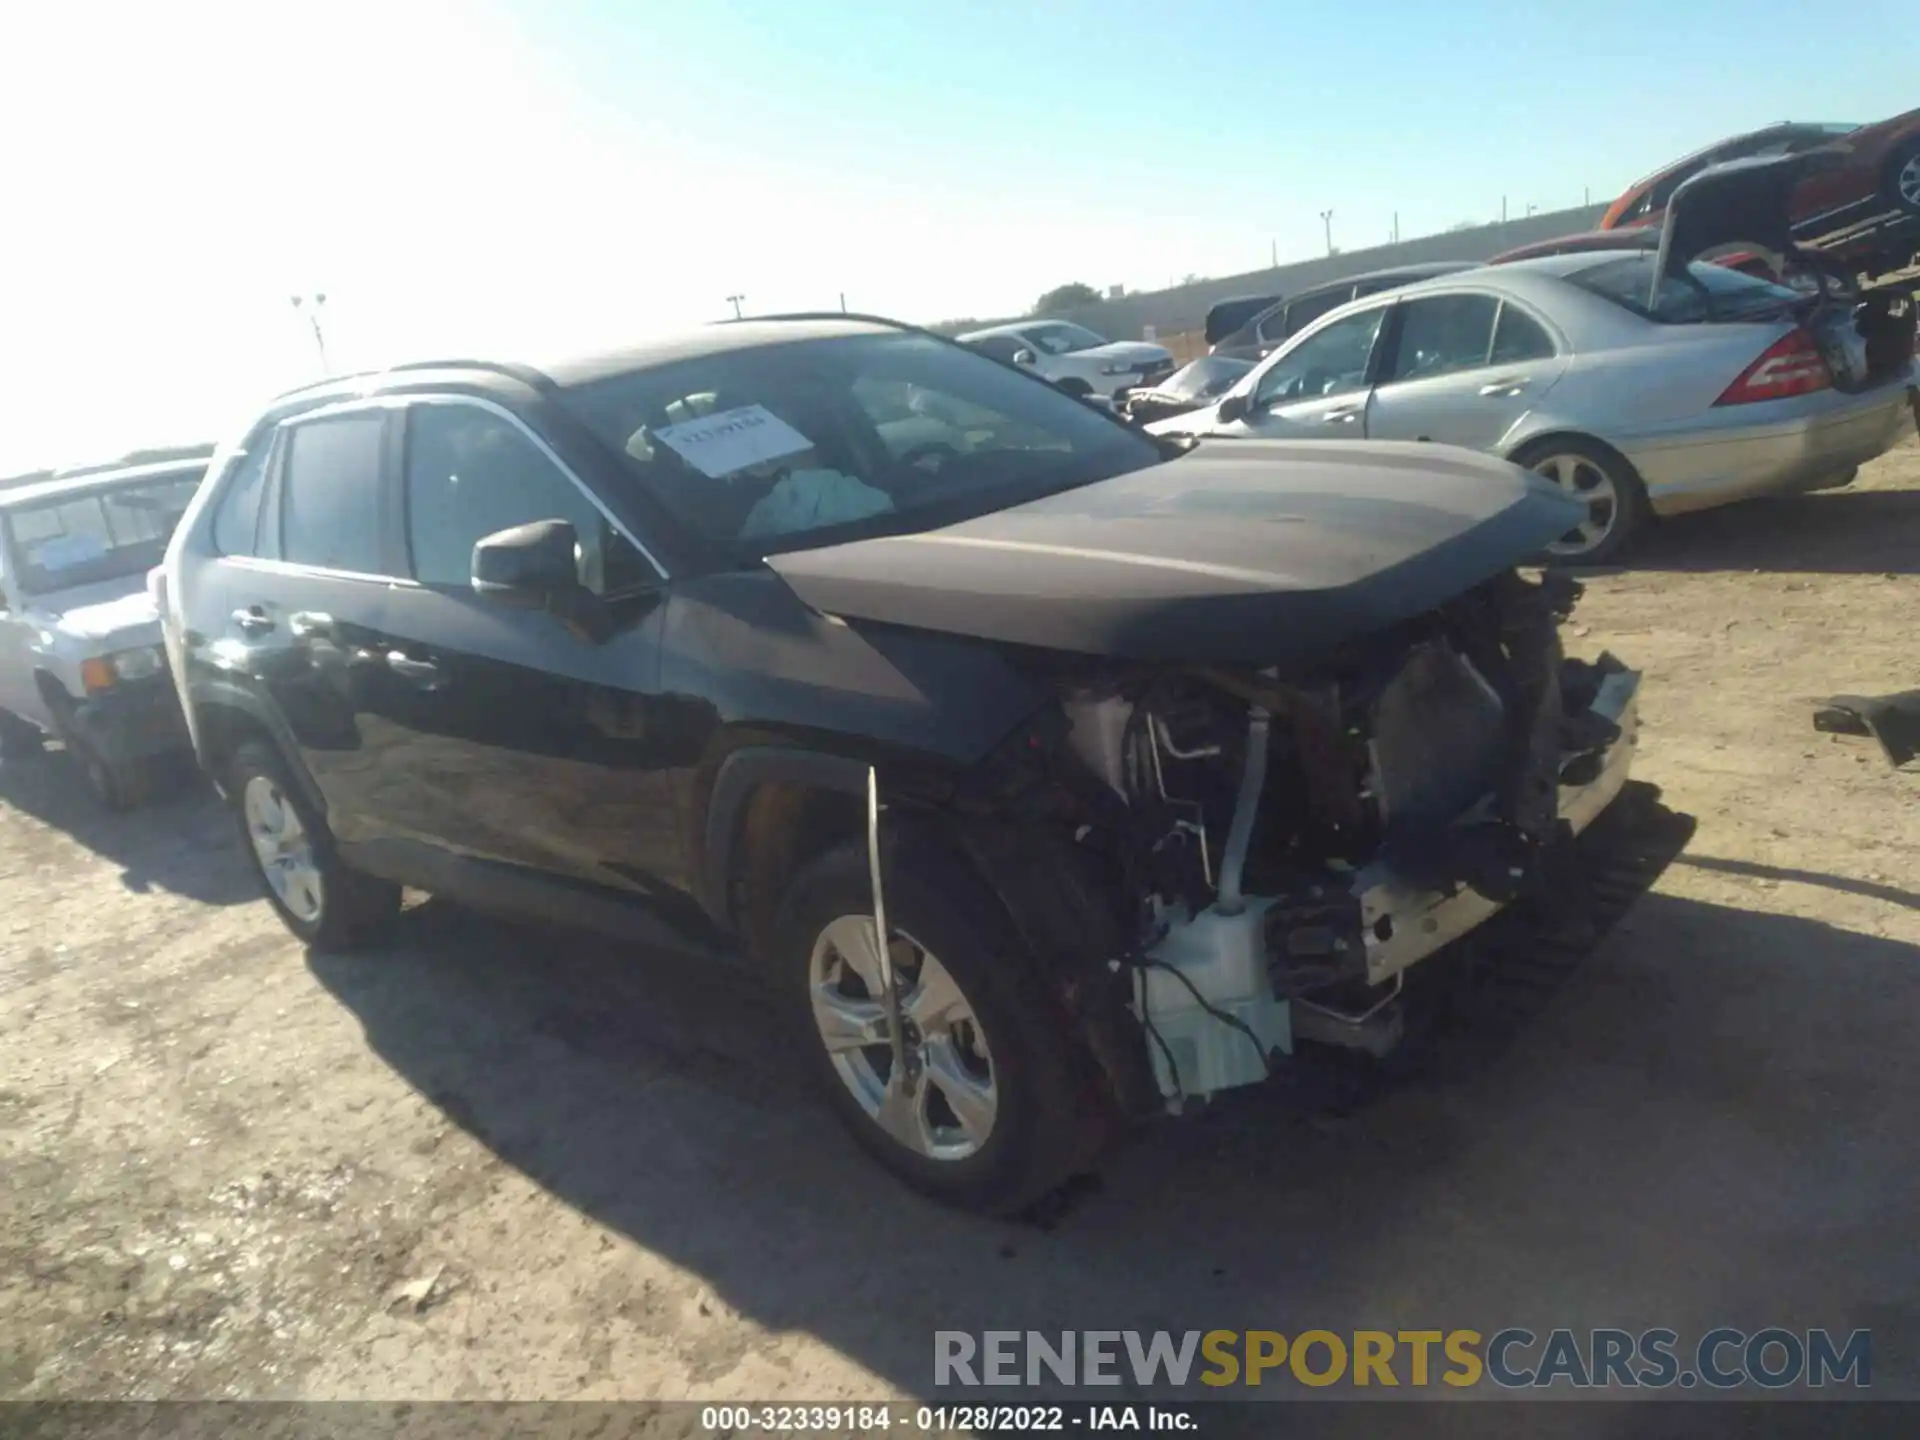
<point x="1257" y="337"/>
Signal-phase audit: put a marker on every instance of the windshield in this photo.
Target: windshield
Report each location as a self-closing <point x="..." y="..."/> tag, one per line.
<point x="1057" y="337"/>
<point x="781" y="447"/>
<point x="1711" y="292"/>
<point x="98" y="535"/>
<point x="1209" y="375"/>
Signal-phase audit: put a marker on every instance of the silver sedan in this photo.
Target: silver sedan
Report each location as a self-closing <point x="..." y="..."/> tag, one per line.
<point x="1714" y="387"/>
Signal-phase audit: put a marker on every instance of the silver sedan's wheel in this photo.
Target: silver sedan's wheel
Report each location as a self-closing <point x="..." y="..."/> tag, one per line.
<point x="283" y="849"/>
<point x="1584" y="480"/>
<point x="943" y="1102"/>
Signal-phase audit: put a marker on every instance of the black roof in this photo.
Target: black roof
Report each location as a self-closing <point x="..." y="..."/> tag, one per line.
<point x="581" y="369"/>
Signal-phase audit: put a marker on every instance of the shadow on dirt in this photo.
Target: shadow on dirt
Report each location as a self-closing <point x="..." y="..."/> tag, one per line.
<point x="1705" y="1092"/>
<point x="1872" y="889"/>
<point x="1841" y="532"/>
<point x="182" y="841"/>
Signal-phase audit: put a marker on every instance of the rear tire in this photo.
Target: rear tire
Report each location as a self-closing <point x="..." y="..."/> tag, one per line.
<point x="19" y="739"/>
<point x="1902" y="185"/>
<point x="1015" y="1127"/>
<point x="1601" y="479"/>
<point x="323" y="901"/>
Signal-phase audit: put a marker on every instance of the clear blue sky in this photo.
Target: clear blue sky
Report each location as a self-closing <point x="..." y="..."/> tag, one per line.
<point x="515" y="176"/>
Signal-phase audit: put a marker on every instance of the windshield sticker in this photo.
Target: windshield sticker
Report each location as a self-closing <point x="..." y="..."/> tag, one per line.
<point x="733" y="440"/>
<point x="63" y="552"/>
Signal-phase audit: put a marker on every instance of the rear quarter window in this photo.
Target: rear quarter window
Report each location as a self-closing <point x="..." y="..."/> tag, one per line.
<point x="1710" y="292"/>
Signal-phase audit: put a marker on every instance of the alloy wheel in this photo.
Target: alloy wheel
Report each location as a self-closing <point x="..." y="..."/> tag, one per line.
<point x="943" y="1103"/>
<point x="1907" y="183"/>
<point x="1585" y="481"/>
<point x="283" y="848"/>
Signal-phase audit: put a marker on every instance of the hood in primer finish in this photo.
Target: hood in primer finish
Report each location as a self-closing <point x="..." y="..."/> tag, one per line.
<point x="1240" y="552"/>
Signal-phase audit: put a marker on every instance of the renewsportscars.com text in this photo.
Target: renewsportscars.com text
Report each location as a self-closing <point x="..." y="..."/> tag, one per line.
<point x="1771" y="1358"/>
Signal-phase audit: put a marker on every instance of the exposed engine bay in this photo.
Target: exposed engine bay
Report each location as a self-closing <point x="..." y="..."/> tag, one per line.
<point x="1282" y="844"/>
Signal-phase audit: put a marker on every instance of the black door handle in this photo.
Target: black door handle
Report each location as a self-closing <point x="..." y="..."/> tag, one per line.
<point x="310" y="625"/>
<point x="423" y="673"/>
<point x="253" y="620"/>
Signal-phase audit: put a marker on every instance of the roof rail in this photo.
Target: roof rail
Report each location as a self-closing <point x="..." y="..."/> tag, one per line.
<point x="525" y="374"/>
<point x="886" y="320"/>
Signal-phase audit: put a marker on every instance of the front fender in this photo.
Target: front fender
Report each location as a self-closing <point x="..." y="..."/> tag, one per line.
<point x="734" y="783"/>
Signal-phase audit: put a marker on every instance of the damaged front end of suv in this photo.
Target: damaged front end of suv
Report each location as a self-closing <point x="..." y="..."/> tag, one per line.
<point x="1306" y="724"/>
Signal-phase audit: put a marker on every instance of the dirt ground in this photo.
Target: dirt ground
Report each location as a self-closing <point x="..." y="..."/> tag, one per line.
<point x="511" y="1163"/>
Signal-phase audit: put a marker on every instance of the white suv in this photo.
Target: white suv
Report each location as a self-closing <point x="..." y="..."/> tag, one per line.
<point x="1073" y="357"/>
<point x="80" y="648"/>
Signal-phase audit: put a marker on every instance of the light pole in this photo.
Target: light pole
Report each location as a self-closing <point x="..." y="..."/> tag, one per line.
<point x="734" y="300"/>
<point x="319" y="300"/>
<point x="1326" y="220"/>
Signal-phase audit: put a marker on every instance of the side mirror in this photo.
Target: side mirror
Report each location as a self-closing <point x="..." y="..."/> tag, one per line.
<point x="527" y="566"/>
<point x="533" y="567"/>
<point x="1024" y="357"/>
<point x="1233" y="406"/>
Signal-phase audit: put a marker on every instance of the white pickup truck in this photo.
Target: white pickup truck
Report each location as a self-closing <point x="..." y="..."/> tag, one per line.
<point x="1073" y="357"/>
<point x="80" y="646"/>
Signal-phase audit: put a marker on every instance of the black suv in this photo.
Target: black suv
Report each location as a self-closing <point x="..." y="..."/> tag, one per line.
<point x="1156" y="763"/>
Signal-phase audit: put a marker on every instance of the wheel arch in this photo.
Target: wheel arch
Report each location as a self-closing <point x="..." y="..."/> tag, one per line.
<point x="1547" y="435"/>
<point x="53" y="692"/>
<point x="765" y="803"/>
<point x="226" y="716"/>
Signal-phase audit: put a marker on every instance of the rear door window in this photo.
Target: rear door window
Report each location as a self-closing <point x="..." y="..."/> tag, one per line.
<point x="1441" y="334"/>
<point x="330" y="512"/>
<point x="236" y="520"/>
<point x="1518" y="337"/>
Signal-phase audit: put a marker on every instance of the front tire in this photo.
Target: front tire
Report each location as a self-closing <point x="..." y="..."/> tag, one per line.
<point x="1601" y="480"/>
<point x="991" y="1119"/>
<point x="324" y="902"/>
<point x="115" y="784"/>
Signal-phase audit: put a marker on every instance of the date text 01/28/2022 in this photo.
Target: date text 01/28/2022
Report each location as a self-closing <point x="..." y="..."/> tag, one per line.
<point x="939" y="1419"/>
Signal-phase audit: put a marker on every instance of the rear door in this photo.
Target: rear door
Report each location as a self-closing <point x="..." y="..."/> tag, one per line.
<point x="307" y="602"/>
<point x="532" y="744"/>
<point x="1461" y="369"/>
<point x="1317" y="388"/>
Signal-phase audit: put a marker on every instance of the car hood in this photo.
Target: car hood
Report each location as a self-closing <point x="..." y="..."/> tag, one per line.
<point x="1239" y="551"/>
<point x="109" y="610"/>
<point x="1743" y="202"/>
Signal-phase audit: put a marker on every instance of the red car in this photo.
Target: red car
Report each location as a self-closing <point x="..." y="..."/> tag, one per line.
<point x="1865" y="210"/>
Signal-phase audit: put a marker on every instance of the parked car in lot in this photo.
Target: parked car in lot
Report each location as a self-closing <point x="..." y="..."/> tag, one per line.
<point x="80" y="654"/>
<point x="1074" y="358"/>
<point x="1642" y="383"/>
<point x="1155" y="764"/>
<point x="1262" y="334"/>
<point x="1226" y="316"/>
<point x="1188" y="388"/>
<point x="1864" y="211"/>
